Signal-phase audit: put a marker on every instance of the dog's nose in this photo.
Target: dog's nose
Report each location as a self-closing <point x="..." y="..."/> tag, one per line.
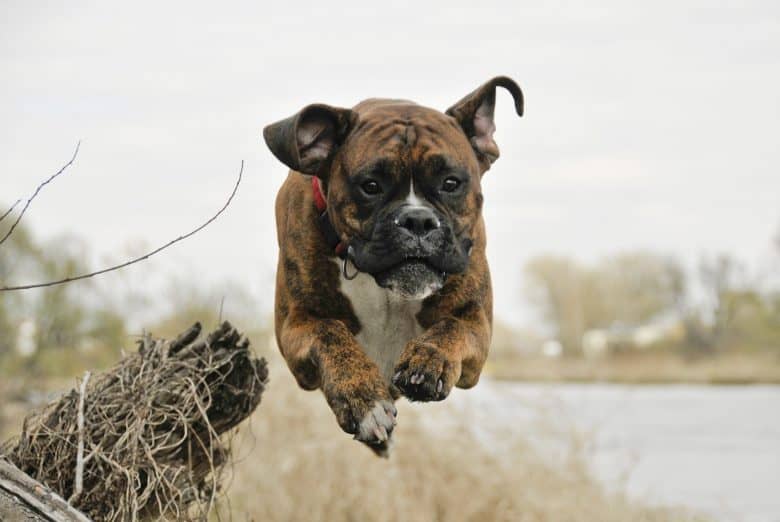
<point x="418" y="220"/>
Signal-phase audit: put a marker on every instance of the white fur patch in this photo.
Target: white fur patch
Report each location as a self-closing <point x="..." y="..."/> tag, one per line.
<point x="387" y="320"/>
<point x="413" y="199"/>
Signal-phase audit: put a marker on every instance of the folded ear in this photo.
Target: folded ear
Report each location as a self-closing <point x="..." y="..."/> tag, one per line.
<point x="475" y="115"/>
<point x="307" y="140"/>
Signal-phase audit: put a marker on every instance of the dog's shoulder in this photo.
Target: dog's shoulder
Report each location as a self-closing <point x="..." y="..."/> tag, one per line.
<point x="291" y="200"/>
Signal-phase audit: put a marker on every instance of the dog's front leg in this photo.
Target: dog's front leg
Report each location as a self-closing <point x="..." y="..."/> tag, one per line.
<point x="450" y="353"/>
<point x="323" y="353"/>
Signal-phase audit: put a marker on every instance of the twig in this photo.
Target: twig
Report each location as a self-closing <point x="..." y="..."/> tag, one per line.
<point x="10" y="210"/>
<point x="137" y="259"/>
<point x="80" y="450"/>
<point x="221" y="306"/>
<point x="51" y="178"/>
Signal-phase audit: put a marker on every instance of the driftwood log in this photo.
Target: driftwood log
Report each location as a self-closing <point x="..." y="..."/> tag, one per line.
<point x="23" y="499"/>
<point x="143" y="440"/>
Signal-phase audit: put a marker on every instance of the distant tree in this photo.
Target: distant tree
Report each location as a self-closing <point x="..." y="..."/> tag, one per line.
<point x="740" y="316"/>
<point x="209" y="305"/>
<point x="18" y="253"/>
<point x="557" y="288"/>
<point x="635" y="287"/>
<point x="628" y="288"/>
<point x="59" y="312"/>
<point x="720" y="277"/>
<point x="66" y="317"/>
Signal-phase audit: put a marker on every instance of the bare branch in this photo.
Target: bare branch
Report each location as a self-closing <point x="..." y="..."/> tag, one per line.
<point x="137" y="259"/>
<point x="221" y="305"/>
<point x="51" y="178"/>
<point x="10" y="209"/>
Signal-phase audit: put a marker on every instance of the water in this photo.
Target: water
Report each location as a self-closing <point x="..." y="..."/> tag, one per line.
<point x="711" y="448"/>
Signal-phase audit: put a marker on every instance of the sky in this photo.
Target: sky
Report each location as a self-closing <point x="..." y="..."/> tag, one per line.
<point x="651" y="126"/>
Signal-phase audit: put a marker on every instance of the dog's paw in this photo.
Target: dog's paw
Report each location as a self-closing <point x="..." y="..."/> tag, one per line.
<point x="376" y="427"/>
<point x="370" y="417"/>
<point x="425" y="372"/>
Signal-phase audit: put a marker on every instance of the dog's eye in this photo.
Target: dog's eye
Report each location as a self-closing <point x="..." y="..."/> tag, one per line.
<point x="371" y="187"/>
<point x="450" y="184"/>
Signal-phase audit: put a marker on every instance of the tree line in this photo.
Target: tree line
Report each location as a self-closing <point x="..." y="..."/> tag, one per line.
<point x="716" y="307"/>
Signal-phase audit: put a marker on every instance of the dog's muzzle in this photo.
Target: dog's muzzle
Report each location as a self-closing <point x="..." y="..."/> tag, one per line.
<point x="411" y="251"/>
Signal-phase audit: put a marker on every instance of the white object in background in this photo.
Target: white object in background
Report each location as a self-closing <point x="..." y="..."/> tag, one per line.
<point x="552" y="348"/>
<point x="25" y="339"/>
<point x="595" y="343"/>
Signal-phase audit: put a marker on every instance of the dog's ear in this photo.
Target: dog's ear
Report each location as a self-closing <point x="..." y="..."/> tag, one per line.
<point x="475" y="115"/>
<point x="307" y="140"/>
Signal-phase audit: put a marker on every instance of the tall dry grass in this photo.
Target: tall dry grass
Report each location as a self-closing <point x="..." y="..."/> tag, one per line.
<point x="296" y="464"/>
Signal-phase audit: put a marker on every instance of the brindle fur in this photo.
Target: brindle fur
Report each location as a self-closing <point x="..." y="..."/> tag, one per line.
<point x="315" y="323"/>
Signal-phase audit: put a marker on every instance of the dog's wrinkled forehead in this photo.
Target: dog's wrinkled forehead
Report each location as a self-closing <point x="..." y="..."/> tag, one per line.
<point x="406" y="134"/>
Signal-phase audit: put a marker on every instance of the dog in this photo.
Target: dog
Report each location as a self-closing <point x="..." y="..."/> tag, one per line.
<point x="383" y="287"/>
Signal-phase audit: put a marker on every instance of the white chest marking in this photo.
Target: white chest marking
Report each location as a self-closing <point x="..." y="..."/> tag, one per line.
<point x="387" y="321"/>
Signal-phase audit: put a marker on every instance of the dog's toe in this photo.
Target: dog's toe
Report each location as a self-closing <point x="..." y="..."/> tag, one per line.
<point x="376" y="428"/>
<point x="377" y="425"/>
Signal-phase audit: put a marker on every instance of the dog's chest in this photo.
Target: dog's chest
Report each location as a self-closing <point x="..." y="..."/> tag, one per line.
<point x="387" y="322"/>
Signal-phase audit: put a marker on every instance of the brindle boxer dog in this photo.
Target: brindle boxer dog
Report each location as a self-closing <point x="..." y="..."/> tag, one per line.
<point x="383" y="288"/>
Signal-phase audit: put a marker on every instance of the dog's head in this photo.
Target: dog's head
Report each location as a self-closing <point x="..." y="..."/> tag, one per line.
<point x="402" y="181"/>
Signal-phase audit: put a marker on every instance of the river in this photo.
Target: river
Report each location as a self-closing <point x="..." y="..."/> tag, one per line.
<point x="711" y="448"/>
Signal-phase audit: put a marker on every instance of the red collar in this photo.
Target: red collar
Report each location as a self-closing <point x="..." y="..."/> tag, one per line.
<point x="320" y="203"/>
<point x="319" y="197"/>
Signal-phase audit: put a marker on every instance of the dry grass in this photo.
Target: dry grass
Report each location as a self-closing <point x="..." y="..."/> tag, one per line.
<point x="641" y="368"/>
<point x="294" y="463"/>
<point x="298" y="465"/>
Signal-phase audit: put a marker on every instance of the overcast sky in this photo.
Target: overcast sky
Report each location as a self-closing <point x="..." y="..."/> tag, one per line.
<point x="652" y="125"/>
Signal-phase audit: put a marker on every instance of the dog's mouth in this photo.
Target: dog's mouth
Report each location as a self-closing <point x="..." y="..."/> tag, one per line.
<point x="412" y="278"/>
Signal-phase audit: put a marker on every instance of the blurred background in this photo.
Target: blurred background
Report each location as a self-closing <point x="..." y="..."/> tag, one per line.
<point x="633" y="222"/>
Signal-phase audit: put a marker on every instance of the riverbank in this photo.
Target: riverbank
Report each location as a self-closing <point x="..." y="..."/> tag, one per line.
<point x="640" y="368"/>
